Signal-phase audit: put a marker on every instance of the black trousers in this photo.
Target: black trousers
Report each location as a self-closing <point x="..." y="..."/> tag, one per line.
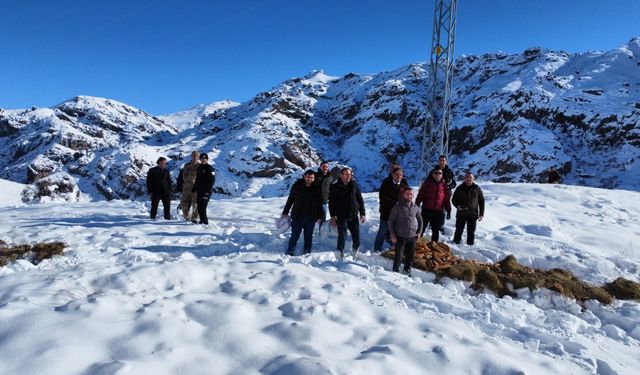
<point x="299" y="224"/>
<point x="203" y="202"/>
<point x="343" y="223"/>
<point x="436" y="218"/>
<point x="166" y="205"/>
<point x="404" y="246"/>
<point x="470" y="222"/>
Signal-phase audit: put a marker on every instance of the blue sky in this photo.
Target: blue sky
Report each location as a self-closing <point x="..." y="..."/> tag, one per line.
<point x="163" y="55"/>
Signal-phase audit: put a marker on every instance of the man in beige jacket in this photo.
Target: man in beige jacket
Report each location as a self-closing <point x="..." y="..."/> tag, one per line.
<point x="186" y="179"/>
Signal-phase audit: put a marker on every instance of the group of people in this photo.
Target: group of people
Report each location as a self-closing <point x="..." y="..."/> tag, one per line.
<point x="318" y="198"/>
<point x="195" y="183"/>
<point x="402" y="220"/>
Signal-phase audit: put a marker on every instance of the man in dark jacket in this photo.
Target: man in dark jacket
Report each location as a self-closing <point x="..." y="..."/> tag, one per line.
<point x="554" y="176"/>
<point x="469" y="202"/>
<point x="447" y="173"/>
<point x="324" y="179"/>
<point x="159" y="188"/>
<point x="405" y="225"/>
<point x="203" y="186"/>
<point x="345" y="204"/>
<point x="388" y="196"/>
<point x="306" y="199"/>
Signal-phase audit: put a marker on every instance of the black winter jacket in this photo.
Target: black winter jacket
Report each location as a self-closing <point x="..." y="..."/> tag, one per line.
<point x="346" y="200"/>
<point x="159" y="181"/>
<point x="469" y="201"/>
<point x="447" y="176"/>
<point x="205" y="178"/>
<point x="389" y="195"/>
<point x="306" y="201"/>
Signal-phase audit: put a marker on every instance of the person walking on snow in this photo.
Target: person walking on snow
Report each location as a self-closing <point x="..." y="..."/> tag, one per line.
<point x="159" y="188"/>
<point x="186" y="180"/>
<point x="469" y="203"/>
<point x="405" y="225"/>
<point x="306" y="199"/>
<point x="203" y="186"/>
<point x="434" y="198"/>
<point x="346" y="207"/>
<point x="388" y="196"/>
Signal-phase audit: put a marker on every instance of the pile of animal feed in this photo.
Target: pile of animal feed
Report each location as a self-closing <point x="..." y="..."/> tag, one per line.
<point x="505" y="277"/>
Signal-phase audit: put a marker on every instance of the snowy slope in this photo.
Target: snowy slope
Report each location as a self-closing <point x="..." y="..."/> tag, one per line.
<point x="166" y="297"/>
<point x="514" y="116"/>
<point x="11" y="193"/>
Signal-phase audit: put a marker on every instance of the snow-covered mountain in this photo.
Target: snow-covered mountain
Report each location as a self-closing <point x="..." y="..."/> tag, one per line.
<point x="515" y="115"/>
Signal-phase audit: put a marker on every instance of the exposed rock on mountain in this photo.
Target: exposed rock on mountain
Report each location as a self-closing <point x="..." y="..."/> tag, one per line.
<point x="514" y="116"/>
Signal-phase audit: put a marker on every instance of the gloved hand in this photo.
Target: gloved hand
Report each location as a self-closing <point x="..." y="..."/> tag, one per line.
<point x="448" y="215"/>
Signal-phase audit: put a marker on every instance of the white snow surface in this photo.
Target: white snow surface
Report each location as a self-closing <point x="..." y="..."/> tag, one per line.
<point x="136" y="296"/>
<point x="11" y="193"/>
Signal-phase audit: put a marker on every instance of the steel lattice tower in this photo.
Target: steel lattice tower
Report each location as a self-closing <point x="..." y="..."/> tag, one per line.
<point x="435" y="140"/>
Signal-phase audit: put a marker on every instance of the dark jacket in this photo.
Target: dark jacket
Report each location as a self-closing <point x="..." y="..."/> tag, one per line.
<point x="469" y="201"/>
<point x="205" y="178"/>
<point x="159" y="181"/>
<point x="448" y="177"/>
<point x="554" y="177"/>
<point x="389" y="195"/>
<point x="306" y="201"/>
<point x="346" y="200"/>
<point x="434" y="196"/>
<point x="324" y="181"/>
<point x="405" y="220"/>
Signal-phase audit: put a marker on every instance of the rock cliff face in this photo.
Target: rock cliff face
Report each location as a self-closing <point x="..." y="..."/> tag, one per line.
<point x="514" y="116"/>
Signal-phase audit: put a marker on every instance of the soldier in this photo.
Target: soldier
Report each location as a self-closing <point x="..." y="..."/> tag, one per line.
<point x="203" y="186"/>
<point x="323" y="179"/>
<point x="186" y="180"/>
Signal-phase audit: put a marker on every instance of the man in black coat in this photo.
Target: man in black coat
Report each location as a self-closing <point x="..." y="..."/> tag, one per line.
<point x="324" y="179"/>
<point x="306" y="199"/>
<point x="159" y="188"/>
<point x="203" y="187"/>
<point x="447" y="174"/>
<point x="469" y="203"/>
<point x="345" y="204"/>
<point x="388" y="196"/>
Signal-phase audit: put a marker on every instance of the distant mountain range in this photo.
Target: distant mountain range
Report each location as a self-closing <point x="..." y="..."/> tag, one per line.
<point x="514" y="116"/>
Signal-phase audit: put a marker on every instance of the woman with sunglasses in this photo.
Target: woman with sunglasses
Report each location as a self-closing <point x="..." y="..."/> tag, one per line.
<point x="434" y="197"/>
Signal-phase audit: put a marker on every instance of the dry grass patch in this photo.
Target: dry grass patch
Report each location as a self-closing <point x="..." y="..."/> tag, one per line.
<point x="505" y="277"/>
<point x="33" y="253"/>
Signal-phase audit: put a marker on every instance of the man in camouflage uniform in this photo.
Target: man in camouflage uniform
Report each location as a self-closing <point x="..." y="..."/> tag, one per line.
<point x="186" y="179"/>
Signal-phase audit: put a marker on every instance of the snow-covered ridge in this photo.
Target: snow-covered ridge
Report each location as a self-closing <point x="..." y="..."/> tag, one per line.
<point x="514" y="116"/>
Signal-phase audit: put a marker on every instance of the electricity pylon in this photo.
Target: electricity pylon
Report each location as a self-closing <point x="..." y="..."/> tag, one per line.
<point x="435" y="140"/>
